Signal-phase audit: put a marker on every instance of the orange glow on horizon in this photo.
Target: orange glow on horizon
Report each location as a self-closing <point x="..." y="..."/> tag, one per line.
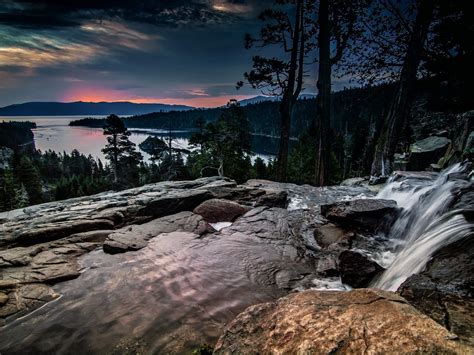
<point x="104" y="95"/>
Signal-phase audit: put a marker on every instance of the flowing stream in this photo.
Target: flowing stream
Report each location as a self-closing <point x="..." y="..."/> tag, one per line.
<point x="425" y="224"/>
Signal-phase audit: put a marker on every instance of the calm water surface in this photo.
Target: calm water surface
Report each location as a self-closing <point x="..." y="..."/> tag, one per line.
<point x="54" y="133"/>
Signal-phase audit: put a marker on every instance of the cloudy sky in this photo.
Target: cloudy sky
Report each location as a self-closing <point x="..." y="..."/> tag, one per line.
<point x="172" y="51"/>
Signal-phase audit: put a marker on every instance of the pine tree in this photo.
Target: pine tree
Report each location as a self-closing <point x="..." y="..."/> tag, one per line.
<point x="121" y="153"/>
<point x="29" y="175"/>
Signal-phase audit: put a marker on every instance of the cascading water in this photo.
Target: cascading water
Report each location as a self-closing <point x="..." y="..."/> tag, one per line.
<point x="425" y="224"/>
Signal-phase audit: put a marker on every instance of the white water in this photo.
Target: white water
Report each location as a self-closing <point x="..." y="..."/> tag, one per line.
<point x="424" y="225"/>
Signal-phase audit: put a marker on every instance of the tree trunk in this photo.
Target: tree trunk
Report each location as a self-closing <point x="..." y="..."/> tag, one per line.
<point x="220" y="170"/>
<point x="286" y="105"/>
<point x="285" y="125"/>
<point x="324" y="96"/>
<point x="398" y="115"/>
<point x="115" y="162"/>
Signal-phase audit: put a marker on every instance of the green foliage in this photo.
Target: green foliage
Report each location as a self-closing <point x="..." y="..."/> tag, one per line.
<point x="30" y="177"/>
<point x="121" y="152"/>
<point x="224" y="146"/>
<point x="301" y="161"/>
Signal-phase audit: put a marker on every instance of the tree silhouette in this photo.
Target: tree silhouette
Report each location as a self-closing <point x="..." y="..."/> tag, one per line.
<point x="283" y="76"/>
<point x="121" y="152"/>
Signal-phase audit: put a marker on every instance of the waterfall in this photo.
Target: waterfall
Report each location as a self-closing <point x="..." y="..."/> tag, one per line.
<point x="425" y="223"/>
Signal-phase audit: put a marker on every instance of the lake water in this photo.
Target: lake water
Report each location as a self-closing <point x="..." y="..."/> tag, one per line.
<point x="54" y="133"/>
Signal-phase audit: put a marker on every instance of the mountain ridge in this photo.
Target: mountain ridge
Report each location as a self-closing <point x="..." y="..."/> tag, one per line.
<point x="51" y="108"/>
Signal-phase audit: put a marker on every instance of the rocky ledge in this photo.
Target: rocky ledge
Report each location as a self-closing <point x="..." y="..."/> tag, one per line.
<point x="39" y="245"/>
<point x="279" y="239"/>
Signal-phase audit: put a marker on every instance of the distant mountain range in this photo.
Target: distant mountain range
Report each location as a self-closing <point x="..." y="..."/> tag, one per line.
<point x="106" y="108"/>
<point x="86" y="108"/>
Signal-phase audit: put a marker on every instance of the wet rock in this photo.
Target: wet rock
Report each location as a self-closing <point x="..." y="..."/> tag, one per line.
<point x="357" y="270"/>
<point x="327" y="266"/>
<point x="357" y="181"/>
<point x="136" y="237"/>
<point x="427" y="151"/>
<point x="444" y="291"/>
<point x="218" y="210"/>
<point x="359" y="321"/>
<point x="330" y="234"/>
<point x="309" y="197"/>
<point x="367" y="214"/>
<point x="105" y="211"/>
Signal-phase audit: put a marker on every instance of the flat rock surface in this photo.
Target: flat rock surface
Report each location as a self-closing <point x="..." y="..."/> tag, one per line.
<point x="355" y="322"/>
<point x="137" y="236"/>
<point x="56" y="220"/>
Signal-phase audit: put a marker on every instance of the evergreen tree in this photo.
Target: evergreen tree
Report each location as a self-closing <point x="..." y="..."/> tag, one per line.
<point x="30" y="177"/>
<point x="21" y="197"/>
<point x="225" y="145"/>
<point x="8" y="189"/>
<point x="121" y="152"/>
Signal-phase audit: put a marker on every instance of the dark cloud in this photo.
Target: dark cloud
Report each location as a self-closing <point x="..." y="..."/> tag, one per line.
<point x="147" y="49"/>
<point x="44" y="14"/>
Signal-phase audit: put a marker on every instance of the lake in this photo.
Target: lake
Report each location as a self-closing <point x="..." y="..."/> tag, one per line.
<point x="54" y="133"/>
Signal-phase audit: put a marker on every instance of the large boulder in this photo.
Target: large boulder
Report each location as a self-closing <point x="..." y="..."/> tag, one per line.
<point x="332" y="322"/>
<point x="218" y="210"/>
<point x="427" y="151"/>
<point x="367" y="214"/>
<point x="357" y="270"/>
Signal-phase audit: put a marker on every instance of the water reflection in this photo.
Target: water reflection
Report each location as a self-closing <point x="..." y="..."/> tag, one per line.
<point x="173" y="295"/>
<point x="54" y="133"/>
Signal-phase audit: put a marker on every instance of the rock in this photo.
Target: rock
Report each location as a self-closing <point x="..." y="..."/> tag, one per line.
<point x="105" y="211"/>
<point x="217" y="210"/>
<point x="328" y="322"/>
<point x="330" y="234"/>
<point x="327" y="266"/>
<point x="3" y="298"/>
<point x="136" y="237"/>
<point x="273" y="198"/>
<point x="357" y="270"/>
<point x="427" y="151"/>
<point x="444" y="291"/>
<point x="378" y="180"/>
<point x="60" y="230"/>
<point x="366" y="214"/>
<point x="358" y="181"/>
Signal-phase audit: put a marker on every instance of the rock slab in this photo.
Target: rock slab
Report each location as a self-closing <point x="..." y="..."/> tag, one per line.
<point x="329" y="322"/>
<point x="366" y="214"/>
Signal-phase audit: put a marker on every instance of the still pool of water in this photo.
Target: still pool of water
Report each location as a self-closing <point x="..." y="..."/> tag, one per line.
<point x="54" y="133"/>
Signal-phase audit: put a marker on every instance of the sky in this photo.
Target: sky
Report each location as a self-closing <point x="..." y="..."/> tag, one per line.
<point x="170" y="51"/>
